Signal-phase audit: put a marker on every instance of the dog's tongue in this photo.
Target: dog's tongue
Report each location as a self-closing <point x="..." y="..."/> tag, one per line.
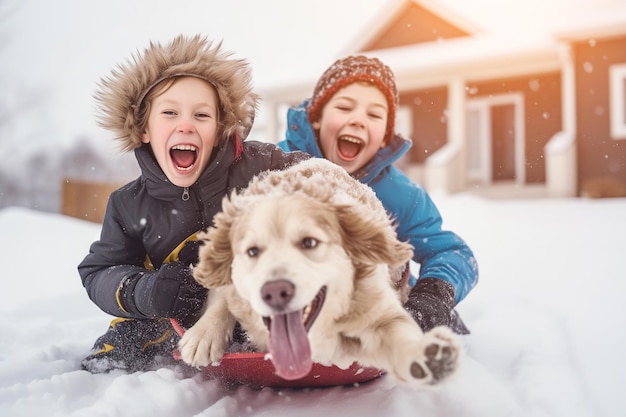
<point x="289" y="346"/>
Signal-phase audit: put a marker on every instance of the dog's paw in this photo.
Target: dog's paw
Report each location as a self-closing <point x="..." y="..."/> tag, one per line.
<point x="198" y="349"/>
<point x="441" y="354"/>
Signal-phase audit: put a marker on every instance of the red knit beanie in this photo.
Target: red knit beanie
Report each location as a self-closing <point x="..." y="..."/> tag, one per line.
<point x="351" y="69"/>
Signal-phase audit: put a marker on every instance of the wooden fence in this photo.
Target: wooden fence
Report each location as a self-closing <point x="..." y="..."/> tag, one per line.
<point x="86" y="200"/>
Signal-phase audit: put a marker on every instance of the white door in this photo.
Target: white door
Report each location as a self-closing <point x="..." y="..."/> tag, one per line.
<point x="495" y="139"/>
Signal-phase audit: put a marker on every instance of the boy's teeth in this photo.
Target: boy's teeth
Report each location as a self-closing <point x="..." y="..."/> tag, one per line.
<point x="185" y="147"/>
<point x="350" y="139"/>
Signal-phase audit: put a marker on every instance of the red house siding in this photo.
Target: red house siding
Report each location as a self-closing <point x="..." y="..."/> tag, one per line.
<point x="429" y="121"/>
<point x="598" y="154"/>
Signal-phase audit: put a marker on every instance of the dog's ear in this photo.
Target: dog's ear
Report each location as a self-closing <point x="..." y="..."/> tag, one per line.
<point x="216" y="255"/>
<point x="371" y="239"/>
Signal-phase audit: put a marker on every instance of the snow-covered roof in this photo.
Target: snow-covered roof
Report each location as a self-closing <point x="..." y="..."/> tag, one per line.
<point x="506" y="39"/>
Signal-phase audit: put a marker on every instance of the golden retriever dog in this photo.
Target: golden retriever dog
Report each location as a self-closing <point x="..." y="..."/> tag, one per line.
<point x="306" y="260"/>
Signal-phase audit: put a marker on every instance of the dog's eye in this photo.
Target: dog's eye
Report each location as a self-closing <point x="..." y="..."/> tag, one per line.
<point x="308" y="243"/>
<point x="253" y="252"/>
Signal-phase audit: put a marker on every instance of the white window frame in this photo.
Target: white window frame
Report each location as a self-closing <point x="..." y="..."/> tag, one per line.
<point x="617" y="77"/>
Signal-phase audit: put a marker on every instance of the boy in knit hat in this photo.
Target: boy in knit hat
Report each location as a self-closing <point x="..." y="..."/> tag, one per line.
<point x="349" y="120"/>
<point x="184" y="108"/>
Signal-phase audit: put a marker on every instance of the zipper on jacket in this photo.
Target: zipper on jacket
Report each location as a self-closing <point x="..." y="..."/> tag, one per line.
<point x="186" y="196"/>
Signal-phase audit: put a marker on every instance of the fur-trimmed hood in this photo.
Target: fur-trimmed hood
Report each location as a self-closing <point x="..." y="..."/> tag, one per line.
<point x="120" y="96"/>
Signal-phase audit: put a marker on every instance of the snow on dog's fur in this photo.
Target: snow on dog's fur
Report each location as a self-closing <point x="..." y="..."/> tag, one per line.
<point x="305" y="260"/>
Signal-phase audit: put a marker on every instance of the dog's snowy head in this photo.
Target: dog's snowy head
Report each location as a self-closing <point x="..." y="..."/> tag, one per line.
<point x="291" y="240"/>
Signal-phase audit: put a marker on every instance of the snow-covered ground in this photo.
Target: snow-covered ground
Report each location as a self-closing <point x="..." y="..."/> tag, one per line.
<point x="546" y="320"/>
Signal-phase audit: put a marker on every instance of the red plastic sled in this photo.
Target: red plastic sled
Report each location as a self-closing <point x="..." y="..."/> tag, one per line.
<point x="252" y="369"/>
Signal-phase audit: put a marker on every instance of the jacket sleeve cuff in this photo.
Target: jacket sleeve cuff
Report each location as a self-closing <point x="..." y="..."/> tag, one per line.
<point x="125" y="295"/>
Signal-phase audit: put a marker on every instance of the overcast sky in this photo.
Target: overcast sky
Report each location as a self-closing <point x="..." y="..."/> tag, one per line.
<point x="63" y="47"/>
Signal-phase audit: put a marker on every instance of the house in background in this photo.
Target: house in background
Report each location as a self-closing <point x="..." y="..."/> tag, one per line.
<point x="538" y="109"/>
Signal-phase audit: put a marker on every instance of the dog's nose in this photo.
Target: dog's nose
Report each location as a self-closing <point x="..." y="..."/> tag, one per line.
<point x="277" y="294"/>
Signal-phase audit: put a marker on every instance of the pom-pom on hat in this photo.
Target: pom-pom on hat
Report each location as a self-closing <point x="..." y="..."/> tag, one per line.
<point x="351" y="69"/>
<point x="121" y="95"/>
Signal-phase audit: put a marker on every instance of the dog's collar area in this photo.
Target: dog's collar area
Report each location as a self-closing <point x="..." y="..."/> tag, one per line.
<point x="309" y="313"/>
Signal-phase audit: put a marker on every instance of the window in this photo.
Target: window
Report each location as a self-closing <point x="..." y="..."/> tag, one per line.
<point x="617" y="93"/>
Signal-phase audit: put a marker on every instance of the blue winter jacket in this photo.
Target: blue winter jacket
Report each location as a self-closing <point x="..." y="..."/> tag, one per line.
<point x="440" y="253"/>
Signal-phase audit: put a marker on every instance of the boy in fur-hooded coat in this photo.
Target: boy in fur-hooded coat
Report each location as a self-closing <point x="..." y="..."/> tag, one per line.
<point x="184" y="108"/>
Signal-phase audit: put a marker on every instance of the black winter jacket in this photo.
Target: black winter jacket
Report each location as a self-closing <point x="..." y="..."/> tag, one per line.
<point x="147" y="219"/>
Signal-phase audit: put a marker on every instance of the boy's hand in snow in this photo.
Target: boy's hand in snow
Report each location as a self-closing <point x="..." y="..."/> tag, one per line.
<point x="430" y="303"/>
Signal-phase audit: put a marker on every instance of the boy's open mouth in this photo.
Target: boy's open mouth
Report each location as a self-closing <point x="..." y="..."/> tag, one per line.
<point x="349" y="147"/>
<point x="184" y="156"/>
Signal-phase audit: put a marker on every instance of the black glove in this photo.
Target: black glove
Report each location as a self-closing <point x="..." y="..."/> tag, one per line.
<point x="431" y="303"/>
<point x="169" y="292"/>
<point x="189" y="253"/>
